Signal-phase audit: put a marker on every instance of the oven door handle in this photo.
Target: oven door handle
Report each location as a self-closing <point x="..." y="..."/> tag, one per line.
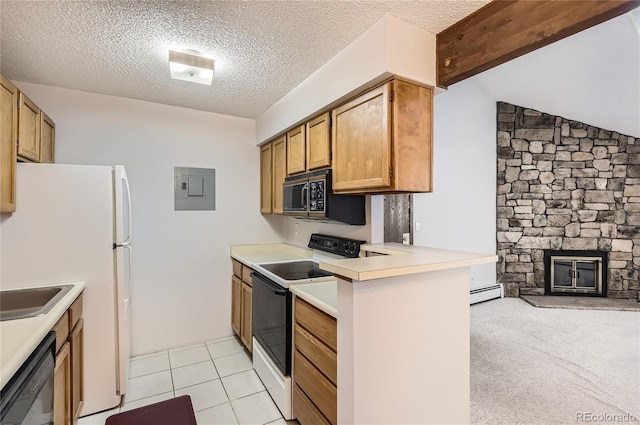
<point x="274" y="287"/>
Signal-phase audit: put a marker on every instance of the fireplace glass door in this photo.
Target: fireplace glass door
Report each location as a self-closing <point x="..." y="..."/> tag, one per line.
<point x="576" y="274"/>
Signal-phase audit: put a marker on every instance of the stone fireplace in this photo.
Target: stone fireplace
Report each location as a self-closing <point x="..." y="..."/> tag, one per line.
<point x="566" y="188"/>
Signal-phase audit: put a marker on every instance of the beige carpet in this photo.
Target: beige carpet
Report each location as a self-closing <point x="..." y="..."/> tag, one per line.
<point x="553" y="366"/>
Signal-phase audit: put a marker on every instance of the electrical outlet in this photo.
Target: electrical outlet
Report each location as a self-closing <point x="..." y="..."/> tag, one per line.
<point x="417" y="227"/>
<point x="297" y="228"/>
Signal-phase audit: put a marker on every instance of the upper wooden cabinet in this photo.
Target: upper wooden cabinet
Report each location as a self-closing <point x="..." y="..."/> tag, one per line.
<point x="8" y="144"/>
<point x="382" y="140"/>
<point x="319" y="142"/>
<point x="265" y="179"/>
<point x="309" y="145"/>
<point x="273" y="170"/>
<point x="47" y="138"/>
<point x="28" y="129"/>
<point x="296" y="150"/>
<point x="279" y="172"/>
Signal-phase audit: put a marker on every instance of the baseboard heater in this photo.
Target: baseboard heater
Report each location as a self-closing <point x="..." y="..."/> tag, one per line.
<point x="485" y="293"/>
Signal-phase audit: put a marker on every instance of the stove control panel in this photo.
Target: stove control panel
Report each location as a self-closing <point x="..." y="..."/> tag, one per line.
<point x="349" y="248"/>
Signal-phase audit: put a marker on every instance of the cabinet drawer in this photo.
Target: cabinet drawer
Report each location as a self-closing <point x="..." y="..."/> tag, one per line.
<point x="237" y="268"/>
<point x="246" y="275"/>
<point x="62" y="330"/>
<point x="305" y="411"/>
<point x="319" y="354"/>
<point x="316" y="386"/>
<point x="75" y="312"/>
<point x="318" y="323"/>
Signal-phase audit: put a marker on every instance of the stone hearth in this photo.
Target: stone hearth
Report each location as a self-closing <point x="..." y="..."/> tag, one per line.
<point x="565" y="185"/>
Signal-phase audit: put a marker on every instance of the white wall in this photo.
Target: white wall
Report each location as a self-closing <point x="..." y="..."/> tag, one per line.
<point x="305" y="228"/>
<point x="182" y="290"/>
<point x="390" y="46"/>
<point x="591" y="77"/>
<point x="460" y="213"/>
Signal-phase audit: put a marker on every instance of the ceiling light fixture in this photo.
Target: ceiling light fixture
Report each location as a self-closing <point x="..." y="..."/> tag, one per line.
<point x="191" y="66"/>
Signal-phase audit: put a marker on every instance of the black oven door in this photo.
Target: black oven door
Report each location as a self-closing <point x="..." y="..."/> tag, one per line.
<point x="295" y="197"/>
<point x="272" y="320"/>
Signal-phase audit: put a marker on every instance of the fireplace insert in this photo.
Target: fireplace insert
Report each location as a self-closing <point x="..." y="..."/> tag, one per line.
<point x="569" y="272"/>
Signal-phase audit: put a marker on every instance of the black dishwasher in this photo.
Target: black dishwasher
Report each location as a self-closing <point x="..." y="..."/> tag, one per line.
<point x="28" y="397"/>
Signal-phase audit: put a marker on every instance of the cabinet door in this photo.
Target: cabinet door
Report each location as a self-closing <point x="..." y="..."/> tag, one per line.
<point x="361" y="141"/>
<point x="296" y="157"/>
<point x="47" y="138"/>
<point x="265" y="179"/>
<point x="62" y="387"/>
<point x="77" y="360"/>
<point x="318" y="142"/>
<point x="246" y="334"/>
<point x="316" y="386"/>
<point x="279" y="164"/>
<point x="8" y="145"/>
<point x="236" y="304"/>
<point x="28" y="130"/>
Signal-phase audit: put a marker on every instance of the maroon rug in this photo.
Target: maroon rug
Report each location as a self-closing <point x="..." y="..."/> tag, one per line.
<point x="176" y="411"/>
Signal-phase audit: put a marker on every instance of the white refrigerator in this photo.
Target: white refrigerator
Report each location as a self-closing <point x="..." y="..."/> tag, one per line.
<point x="73" y="223"/>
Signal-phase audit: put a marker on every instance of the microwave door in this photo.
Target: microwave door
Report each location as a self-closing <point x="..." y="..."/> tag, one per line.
<point x="296" y="197"/>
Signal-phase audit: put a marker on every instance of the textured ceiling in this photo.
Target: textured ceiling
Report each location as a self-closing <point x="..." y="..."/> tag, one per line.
<point x="262" y="49"/>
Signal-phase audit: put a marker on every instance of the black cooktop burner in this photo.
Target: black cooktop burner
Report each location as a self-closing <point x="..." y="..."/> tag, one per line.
<point x="296" y="270"/>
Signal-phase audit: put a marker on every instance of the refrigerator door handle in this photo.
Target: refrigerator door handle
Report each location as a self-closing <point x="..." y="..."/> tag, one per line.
<point x="129" y="288"/>
<point x="128" y="238"/>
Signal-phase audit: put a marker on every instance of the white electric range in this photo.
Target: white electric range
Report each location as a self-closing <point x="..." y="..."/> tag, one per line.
<point x="272" y="315"/>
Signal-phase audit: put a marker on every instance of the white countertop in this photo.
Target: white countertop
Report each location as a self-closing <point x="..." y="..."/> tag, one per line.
<point x="402" y="260"/>
<point x="397" y="260"/>
<point x="251" y="255"/>
<point x="323" y="295"/>
<point x="21" y="336"/>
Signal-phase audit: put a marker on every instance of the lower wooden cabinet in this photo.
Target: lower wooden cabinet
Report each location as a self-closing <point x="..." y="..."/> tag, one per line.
<point x="236" y="304"/>
<point x="315" y="372"/>
<point x="77" y="361"/>
<point x="242" y="303"/>
<point x="68" y="375"/>
<point x="246" y="329"/>
<point x="62" y="387"/>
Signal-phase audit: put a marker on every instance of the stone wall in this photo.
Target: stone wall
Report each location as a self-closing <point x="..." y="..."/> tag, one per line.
<point x="563" y="184"/>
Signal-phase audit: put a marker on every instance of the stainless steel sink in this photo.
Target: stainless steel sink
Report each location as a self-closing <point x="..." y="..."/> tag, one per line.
<point x="31" y="302"/>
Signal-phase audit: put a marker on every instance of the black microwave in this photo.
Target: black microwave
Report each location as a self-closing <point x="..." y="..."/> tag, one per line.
<point x="311" y="196"/>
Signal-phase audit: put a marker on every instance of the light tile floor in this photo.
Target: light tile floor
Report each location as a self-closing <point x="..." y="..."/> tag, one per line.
<point x="218" y="375"/>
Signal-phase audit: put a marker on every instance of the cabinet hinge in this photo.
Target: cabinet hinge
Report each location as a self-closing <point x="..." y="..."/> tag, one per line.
<point x="392" y="95"/>
<point x="329" y="120"/>
<point x="390" y="171"/>
<point x="18" y="102"/>
<point x="330" y="155"/>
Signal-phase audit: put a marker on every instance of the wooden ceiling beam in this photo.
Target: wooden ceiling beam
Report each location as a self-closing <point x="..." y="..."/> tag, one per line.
<point x="505" y="29"/>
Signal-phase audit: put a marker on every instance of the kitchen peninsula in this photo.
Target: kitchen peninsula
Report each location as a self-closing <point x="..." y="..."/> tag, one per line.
<point x="403" y="331"/>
